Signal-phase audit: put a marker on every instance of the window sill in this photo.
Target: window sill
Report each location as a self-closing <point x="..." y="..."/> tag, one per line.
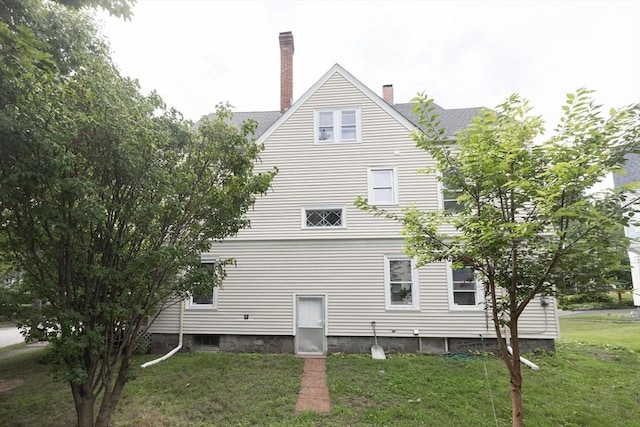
<point x="322" y="228"/>
<point x="385" y="204"/>
<point x="354" y="141"/>
<point x="402" y="308"/>
<point x="465" y="308"/>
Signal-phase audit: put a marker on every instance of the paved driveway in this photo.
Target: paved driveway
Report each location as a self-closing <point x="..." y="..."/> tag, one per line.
<point x="10" y="336"/>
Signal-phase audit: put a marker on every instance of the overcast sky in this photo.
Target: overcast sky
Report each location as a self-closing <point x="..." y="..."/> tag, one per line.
<point x="462" y="53"/>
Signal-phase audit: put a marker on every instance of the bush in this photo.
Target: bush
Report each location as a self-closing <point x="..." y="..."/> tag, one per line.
<point x="593" y="300"/>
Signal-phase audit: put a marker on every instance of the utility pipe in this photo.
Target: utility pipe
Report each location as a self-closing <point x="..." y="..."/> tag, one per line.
<point x="527" y="362"/>
<point x="175" y="350"/>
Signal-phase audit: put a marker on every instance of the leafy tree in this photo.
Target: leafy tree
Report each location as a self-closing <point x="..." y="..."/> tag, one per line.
<point x="107" y="199"/>
<point x="525" y="221"/>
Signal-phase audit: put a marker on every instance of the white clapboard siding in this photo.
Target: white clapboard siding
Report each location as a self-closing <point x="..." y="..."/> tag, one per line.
<point x="335" y="174"/>
<point x="277" y="258"/>
<point x="351" y="274"/>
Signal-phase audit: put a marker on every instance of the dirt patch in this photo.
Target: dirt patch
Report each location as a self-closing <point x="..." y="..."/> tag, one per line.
<point x="606" y="356"/>
<point x="356" y="402"/>
<point x="6" y="385"/>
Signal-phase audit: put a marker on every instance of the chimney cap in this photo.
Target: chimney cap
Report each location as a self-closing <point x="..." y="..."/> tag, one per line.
<point x="387" y="93"/>
<point x="286" y="38"/>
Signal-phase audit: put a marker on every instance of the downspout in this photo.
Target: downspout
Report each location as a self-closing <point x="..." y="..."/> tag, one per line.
<point x="175" y="350"/>
<point x="527" y="362"/>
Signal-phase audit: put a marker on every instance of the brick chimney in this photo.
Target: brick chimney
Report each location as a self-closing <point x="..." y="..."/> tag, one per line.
<point x="387" y="93"/>
<point x="286" y="70"/>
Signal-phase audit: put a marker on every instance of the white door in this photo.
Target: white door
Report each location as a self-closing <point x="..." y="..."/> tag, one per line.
<point x="310" y="325"/>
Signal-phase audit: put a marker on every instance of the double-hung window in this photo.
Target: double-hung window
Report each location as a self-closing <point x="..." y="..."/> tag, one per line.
<point x="323" y="217"/>
<point x="337" y="125"/>
<point x="450" y="193"/>
<point x="464" y="288"/>
<point x="401" y="283"/>
<point x="204" y="300"/>
<point x="383" y="186"/>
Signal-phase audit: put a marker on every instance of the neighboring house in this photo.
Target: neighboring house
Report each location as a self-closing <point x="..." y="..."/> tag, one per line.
<point x="632" y="169"/>
<point x="313" y="271"/>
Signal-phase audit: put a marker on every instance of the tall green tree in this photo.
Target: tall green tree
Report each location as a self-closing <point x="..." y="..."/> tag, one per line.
<point x="525" y="221"/>
<point x="107" y="199"/>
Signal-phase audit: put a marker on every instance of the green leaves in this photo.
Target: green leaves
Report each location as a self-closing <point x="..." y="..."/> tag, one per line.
<point x="528" y="222"/>
<point x="108" y="198"/>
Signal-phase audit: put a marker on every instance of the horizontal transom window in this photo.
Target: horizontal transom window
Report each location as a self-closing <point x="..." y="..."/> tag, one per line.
<point x="333" y="217"/>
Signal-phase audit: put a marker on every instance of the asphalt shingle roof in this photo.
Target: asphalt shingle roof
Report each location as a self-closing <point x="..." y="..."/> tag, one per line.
<point x="453" y="120"/>
<point x="632" y="167"/>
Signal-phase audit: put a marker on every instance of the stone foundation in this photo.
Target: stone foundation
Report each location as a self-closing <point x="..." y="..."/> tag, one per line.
<point x="163" y="343"/>
<point x="361" y="345"/>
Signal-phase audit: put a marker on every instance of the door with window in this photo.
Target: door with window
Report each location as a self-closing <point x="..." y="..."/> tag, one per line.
<point x="310" y="324"/>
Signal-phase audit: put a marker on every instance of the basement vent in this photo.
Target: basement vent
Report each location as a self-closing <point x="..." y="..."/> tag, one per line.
<point x="206" y="340"/>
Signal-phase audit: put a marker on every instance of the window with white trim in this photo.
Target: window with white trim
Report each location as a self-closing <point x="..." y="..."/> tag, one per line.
<point x="382" y="186"/>
<point x="331" y="217"/>
<point x="204" y="300"/>
<point x="339" y="125"/>
<point x="401" y="283"/>
<point x="464" y="288"/>
<point x="450" y="193"/>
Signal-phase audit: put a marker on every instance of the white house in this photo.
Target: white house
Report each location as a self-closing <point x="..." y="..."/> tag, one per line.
<point x="632" y="169"/>
<point x="313" y="271"/>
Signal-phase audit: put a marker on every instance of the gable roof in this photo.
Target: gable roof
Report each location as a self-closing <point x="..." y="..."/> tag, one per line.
<point x="453" y="120"/>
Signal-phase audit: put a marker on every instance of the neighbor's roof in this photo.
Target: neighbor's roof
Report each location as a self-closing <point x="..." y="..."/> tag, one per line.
<point x="632" y="169"/>
<point x="452" y="120"/>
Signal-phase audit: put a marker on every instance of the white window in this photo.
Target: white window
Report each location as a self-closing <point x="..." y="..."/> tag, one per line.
<point x="204" y="300"/>
<point x="324" y="217"/>
<point x="401" y="283"/>
<point x="340" y="125"/>
<point x="450" y="194"/>
<point x="382" y="186"/>
<point x="464" y="289"/>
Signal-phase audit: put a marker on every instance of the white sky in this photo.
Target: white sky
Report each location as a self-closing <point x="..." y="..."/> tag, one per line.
<point x="462" y="53"/>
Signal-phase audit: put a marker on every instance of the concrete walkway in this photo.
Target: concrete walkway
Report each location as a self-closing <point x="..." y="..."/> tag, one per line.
<point x="314" y="393"/>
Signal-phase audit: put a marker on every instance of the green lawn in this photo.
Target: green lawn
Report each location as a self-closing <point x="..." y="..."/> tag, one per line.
<point x="583" y="384"/>
<point x="615" y="330"/>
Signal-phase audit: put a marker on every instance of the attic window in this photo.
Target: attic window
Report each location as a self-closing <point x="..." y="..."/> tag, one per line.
<point x="337" y="126"/>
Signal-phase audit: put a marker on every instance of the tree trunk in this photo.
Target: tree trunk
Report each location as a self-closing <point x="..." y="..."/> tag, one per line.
<point x="84" y="400"/>
<point x="111" y="398"/>
<point x="515" y="374"/>
<point x="517" y="414"/>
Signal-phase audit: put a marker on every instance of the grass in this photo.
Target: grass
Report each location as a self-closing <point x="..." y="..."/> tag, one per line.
<point x="12" y="347"/>
<point x="615" y="330"/>
<point x="592" y="380"/>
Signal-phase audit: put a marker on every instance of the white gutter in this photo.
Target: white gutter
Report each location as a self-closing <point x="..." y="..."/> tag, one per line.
<point x="175" y="350"/>
<point x="529" y="363"/>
